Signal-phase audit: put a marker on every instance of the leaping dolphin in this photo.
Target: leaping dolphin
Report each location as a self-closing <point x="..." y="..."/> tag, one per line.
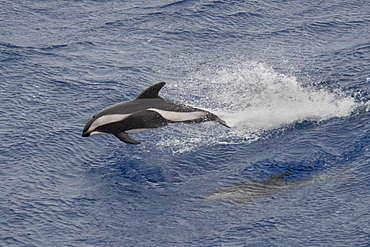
<point x="147" y="111"/>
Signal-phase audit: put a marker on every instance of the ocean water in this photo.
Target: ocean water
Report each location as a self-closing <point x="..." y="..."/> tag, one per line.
<point x="290" y="77"/>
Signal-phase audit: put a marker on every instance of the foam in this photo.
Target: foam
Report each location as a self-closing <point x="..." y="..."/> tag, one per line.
<point x="257" y="97"/>
<point x="254" y="98"/>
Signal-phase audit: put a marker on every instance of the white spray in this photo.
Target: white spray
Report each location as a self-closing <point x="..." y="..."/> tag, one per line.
<point x="253" y="98"/>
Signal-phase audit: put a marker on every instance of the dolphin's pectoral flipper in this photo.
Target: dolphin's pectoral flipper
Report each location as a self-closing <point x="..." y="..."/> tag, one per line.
<point x="123" y="136"/>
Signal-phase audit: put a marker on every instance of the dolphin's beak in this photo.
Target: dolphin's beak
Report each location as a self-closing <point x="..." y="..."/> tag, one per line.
<point x="84" y="134"/>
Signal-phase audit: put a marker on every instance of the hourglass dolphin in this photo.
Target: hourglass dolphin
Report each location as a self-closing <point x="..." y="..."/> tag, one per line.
<point x="245" y="192"/>
<point x="147" y="111"/>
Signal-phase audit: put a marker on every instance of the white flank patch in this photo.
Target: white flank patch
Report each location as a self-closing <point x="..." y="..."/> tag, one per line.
<point x="179" y="116"/>
<point x="107" y="119"/>
<point x="97" y="133"/>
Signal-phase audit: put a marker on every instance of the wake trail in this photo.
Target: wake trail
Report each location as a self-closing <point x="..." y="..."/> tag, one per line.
<point x="258" y="98"/>
<point x="254" y="98"/>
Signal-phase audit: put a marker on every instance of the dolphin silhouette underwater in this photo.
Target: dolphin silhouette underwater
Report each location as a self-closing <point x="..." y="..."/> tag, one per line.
<point x="147" y="111"/>
<point x="247" y="191"/>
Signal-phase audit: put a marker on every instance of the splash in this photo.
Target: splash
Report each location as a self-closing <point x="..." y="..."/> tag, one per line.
<point x="254" y="98"/>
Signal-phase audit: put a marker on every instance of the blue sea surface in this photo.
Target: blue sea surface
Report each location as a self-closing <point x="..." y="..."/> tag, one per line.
<point x="291" y="78"/>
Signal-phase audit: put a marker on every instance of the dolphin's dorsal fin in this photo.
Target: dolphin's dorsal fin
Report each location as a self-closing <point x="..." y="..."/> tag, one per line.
<point x="152" y="91"/>
<point x="277" y="178"/>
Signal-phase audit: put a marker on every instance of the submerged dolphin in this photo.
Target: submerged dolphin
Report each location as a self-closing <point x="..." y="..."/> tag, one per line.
<point x="147" y="111"/>
<point x="246" y="191"/>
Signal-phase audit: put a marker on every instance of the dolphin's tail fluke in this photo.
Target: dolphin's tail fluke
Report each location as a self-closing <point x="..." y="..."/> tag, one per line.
<point x="213" y="117"/>
<point x="222" y="122"/>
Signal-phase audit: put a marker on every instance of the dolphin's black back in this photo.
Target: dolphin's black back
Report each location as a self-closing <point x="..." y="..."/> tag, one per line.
<point x="137" y="105"/>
